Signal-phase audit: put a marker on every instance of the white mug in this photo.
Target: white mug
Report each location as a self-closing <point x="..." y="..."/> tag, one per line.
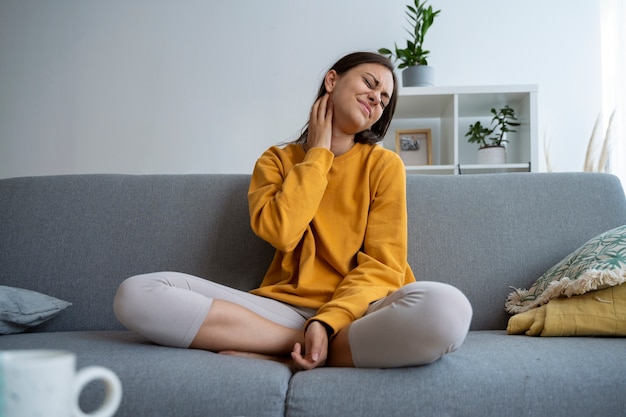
<point x="45" y="383"/>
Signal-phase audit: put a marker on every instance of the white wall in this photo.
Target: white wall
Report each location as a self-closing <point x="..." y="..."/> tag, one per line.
<point x="194" y="86"/>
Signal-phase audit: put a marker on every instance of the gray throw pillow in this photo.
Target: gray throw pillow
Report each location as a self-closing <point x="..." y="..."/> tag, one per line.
<point x="21" y="309"/>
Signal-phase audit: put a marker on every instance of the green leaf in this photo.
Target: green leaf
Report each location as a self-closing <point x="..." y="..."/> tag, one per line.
<point x="420" y="18"/>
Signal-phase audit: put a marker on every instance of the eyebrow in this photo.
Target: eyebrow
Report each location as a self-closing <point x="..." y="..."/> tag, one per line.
<point x="377" y="82"/>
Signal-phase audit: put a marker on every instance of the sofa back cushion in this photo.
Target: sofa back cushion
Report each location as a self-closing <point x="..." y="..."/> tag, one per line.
<point x="77" y="237"/>
<point x="488" y="233"/>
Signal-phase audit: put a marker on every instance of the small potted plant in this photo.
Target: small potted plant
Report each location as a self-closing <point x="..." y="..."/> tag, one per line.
<point x="413" y="58"/>
<point x="491" y="149"/>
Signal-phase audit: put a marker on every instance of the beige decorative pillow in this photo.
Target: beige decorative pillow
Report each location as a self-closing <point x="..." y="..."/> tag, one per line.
<point x="599" y="263"/>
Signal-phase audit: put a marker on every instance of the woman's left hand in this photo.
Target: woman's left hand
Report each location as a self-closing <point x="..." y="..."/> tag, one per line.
<point x="315" y="349"/>
<point x="321" y="123"/>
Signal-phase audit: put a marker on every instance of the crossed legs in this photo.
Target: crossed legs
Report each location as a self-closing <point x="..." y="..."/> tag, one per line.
<point x="413" y="326"/>
<point x="232" y="329"/>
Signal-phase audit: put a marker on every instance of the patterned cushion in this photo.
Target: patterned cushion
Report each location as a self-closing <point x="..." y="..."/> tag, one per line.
<point x="599" y="263"/>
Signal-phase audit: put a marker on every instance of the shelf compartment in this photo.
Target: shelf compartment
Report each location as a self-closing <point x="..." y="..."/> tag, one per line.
<point x="448" y="112"/>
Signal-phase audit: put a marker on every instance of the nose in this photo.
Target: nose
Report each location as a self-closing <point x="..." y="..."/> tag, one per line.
<point x="374" y="97"/>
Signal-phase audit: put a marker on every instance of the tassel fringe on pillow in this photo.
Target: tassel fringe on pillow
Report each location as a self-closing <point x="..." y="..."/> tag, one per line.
<point x="594" y="279"/>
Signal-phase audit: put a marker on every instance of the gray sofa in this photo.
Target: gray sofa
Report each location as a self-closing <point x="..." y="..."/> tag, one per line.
<point x="77" y="237"/>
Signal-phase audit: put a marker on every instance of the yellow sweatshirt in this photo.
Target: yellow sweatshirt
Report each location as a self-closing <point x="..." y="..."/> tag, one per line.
<point x="339" y="226"/>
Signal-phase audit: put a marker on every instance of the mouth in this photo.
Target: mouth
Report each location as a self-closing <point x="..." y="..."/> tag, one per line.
<point x="366" y="108"/>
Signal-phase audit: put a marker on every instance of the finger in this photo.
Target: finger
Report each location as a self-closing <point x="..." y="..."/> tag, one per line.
<point x="297" y="349"/>
<point x="304" y="362"/>
<point x="296" y="354"/>
<point x="315" y="108"/>
<point x="313" y="350"/>
<point x="329" y="111"/>
<point x="316" y="343"/>
<point x="299" y="361"/>
<point x="321" y="108"/>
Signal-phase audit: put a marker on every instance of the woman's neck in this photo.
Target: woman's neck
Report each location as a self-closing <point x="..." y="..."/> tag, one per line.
<point x="341" y="144"/>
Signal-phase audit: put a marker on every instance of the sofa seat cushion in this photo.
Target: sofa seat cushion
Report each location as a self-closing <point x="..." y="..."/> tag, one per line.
<point x="159" y="381"/>
<point x="492" y="374"/>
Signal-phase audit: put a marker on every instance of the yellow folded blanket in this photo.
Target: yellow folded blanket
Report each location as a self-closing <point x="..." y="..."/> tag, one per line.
<point x="596" y="313"/>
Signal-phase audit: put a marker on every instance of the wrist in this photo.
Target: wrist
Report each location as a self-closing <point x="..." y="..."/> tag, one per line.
<point x="329" y="330"/>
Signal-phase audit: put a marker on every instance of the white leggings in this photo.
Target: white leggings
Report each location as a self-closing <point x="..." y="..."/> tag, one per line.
<point x="416" y="325"/>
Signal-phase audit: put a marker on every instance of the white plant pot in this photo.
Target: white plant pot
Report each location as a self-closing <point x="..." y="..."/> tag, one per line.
<point x="492" y="155"/>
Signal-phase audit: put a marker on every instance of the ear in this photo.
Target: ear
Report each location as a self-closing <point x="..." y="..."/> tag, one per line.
<point x="330" y="80"/>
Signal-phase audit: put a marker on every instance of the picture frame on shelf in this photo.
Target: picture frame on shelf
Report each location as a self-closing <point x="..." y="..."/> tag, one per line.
<point x="414" y="146"/>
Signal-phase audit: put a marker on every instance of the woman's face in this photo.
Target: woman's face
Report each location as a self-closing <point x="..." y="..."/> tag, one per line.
<point x="359" y="96"/>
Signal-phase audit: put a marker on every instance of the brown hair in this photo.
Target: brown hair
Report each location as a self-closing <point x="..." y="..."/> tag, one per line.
<point x="379" y="129"/>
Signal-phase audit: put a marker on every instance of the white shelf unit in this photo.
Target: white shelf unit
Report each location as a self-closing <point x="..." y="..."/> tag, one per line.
<point x="448" y="113"/>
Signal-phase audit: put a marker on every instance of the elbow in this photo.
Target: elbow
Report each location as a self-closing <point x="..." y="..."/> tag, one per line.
<point x="277" y="236"/>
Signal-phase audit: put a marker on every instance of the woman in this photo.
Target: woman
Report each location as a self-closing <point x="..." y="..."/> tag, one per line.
<point x="339" y="291"/>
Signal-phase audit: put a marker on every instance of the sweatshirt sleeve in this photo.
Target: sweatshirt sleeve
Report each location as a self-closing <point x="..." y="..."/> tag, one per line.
<point x="283" y="198"/>
<point x="382" y="262"/>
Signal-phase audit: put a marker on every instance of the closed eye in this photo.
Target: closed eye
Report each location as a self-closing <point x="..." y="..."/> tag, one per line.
<point x="372" y="84"/>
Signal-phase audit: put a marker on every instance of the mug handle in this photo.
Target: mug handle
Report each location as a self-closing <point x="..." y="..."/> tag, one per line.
<point x="113" y="391"/>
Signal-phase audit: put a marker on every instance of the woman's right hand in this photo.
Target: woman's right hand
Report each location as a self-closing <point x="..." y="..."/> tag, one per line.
<point x="315" y="347"/>
<point x="321" y="123"/>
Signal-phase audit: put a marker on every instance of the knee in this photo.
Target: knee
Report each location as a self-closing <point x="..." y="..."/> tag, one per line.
<point x="128" y="299"/>
<point x="444" y="316"/>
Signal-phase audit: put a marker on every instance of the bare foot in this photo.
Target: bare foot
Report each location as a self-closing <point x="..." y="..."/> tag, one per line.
<point x="285" y="360"/>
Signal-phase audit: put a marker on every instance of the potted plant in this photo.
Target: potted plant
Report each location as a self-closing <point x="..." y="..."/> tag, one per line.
<point x="412" y="59"/>
<point x="491" y="149"/>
